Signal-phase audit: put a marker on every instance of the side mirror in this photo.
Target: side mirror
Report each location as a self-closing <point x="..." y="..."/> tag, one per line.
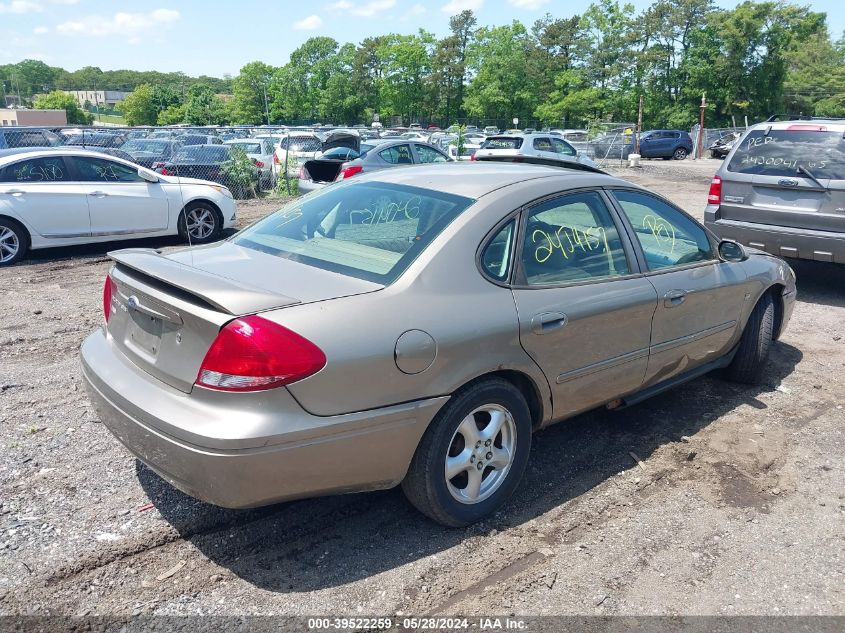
<point x="147" y="175"/>
<point x="731" y="251"/>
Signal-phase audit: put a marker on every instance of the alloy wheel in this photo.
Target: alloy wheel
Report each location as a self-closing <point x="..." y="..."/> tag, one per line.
<point x="9" y="244"/>
<point x="480" y="454"/>
<point x="200" y="223"/>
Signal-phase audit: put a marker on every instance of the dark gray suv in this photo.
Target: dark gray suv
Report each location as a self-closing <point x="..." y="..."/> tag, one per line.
<point x="782" y="190"/>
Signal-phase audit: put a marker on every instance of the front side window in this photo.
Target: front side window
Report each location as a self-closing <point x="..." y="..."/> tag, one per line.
<point x="572" y="238"/>
<point x="429" y="155"/>
<point x="397" y="155"/>
<point x="562" y="147"/>
<point x="667" y="236"/>
<point x="369" y="230"/>
<point x="788" y="153"/>
<point x="101" y="170"/>
<point x="37" y="170"/>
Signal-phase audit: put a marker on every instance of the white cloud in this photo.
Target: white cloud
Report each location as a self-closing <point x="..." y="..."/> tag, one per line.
<point x="20" y="6"/>
<point x="40" y="30"/>
<point x="123" y="24"/>
<point x="454" y="7"/>
<point x="417" y="9"/>
<point x="531" y="5"/>
<point x="309" y="24"/>
<point x="364" y="9"/>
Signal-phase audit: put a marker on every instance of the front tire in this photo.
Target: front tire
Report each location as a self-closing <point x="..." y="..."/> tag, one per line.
<point x="200" y="223"/>
<point x="14" y="242"/>
<point x="473" y="454"/>
<point x="750" y="360"/>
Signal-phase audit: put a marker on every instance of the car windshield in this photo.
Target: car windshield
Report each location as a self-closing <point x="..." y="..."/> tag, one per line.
<point x="145" y="145"/>
<point x="249" y="148"/>
<point x="371" y="230"/>
<point x="203" y="153"/>
<point x="502" y="143"/>
<point x="302" y="144"/>
<point x="785" y="152"/>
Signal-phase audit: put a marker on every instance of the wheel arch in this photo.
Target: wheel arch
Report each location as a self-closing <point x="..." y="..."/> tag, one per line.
<point x="201" y="200"/>
<point x="23" y="227"/>
<point x="776" y="290"/>
<point x="527" y="386"/>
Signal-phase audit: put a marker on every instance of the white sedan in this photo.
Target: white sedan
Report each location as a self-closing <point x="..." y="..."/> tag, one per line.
<point x="62" y="196"/>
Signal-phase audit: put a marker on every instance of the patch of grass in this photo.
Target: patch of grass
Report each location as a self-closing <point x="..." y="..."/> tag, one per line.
<point x="110" y="118"/>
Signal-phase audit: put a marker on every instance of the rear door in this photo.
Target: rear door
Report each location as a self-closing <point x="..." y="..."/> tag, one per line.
<point x="120" y="202"/>
<point x="584" y="310"/>
<point x="699" y="297"/>
<point x="42" y="193"/>
<point x="766" y="180"/>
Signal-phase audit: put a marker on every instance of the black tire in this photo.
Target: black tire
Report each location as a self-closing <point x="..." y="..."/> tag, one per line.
<point x="750" y="360"/>
<point x="212" y="223"/>
<point x="14" y="242"/>
<point x="426" y="486"/>
<point x="680" y="153"/>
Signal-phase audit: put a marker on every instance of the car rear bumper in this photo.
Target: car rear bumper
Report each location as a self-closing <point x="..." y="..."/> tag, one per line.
<point x="783" y="241"/>
<point x="295" y="455"/>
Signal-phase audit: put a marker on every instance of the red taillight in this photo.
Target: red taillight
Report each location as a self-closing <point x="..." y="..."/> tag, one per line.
<point x="259" y="164"/>
<point x="715" y="194"/>
<point x="349" y="172"/>
<point x="108" y="290"/>
<point x="252" y="354"/>
<point x="163" y="171"/>
<point x="472" y="156"/>
<point x="276" y="159"/>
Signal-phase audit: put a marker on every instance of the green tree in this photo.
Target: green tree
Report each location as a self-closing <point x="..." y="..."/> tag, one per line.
<point x="172" y="115"/>
<point x="139" y="107"/>
<point x="249" y="93"/>
<point x="58" y="100"/>
<point x="203" y="107"/>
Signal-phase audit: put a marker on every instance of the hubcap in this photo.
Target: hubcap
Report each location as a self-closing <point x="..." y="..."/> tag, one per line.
<point x="480" y="454"/>
<point x="200" y="223"/>
<point x="9" y="244"/>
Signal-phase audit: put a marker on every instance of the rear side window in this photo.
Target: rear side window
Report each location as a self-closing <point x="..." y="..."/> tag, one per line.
<point x="572" y="238"/>
<point x="370" y="230"/>
<point x="497" y="254"/>
<point x="430" y="155"/>
<point x="397" y="155"/>
<point x="36" y="170"/>
<point x="502" y="143"/>
<point x="789" y="152"/>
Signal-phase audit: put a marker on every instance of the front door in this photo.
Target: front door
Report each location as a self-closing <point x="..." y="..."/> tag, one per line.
<point x="699" y="297"/>
<point x="119" y="200"/>
<point x="584" y="312"/>
<point x="41" y="192"/>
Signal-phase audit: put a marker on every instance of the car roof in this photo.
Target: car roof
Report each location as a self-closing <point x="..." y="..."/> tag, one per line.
<point x="36" y="152"/>
<point x="475" y="179"/>
<point x="833" y="125"/>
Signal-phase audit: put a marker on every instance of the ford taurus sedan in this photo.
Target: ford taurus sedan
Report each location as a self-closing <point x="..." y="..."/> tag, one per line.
<point x="415" y="326"/>
<point x="64" y="196"/>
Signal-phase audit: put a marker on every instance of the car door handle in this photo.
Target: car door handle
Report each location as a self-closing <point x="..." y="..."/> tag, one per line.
<point x="547" y="322"/>
<point x="14" y="192"/>
<point x="674" y="298"/>
<point x="98" y="194"/>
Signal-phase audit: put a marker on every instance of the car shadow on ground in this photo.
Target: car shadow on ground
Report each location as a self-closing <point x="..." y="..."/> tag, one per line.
<point x="313" y="544"/>
<point x="819" y="282"/>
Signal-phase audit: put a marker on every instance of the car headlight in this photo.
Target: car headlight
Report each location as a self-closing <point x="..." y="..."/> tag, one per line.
<point x="223" y="190"/>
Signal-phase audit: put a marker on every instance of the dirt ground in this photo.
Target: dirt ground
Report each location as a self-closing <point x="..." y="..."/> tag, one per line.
<point x="737" y="505"/>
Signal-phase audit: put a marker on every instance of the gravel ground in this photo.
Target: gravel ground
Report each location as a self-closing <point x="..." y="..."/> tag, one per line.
<point x="736" y="506"/>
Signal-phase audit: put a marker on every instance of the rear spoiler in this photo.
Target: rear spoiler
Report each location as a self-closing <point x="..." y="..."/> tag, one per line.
<point x="541" y="160"/>
<point x="192" y="284"/>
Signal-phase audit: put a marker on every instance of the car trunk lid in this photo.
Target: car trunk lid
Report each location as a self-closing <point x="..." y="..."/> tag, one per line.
<point x="167" y="309"/>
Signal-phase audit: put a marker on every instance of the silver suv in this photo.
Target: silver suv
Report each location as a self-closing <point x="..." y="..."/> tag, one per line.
<point x="782" y="190"/>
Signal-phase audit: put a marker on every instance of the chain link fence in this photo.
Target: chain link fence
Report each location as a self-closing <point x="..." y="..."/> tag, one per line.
<point x="249" y="161"/>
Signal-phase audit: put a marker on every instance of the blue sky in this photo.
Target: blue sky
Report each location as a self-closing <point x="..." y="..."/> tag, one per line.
<point x="214" y="38"/>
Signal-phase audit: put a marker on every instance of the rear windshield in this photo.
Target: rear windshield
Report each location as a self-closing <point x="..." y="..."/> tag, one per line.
<point x="502" y="143"/>
<point x="203" y="153"/>
<point x="785" y="152"/>
<point x="249" y="148"/>
<point x="151" y="146"/>
<point x="302" y="144"/>
<point x="371" y="230"/>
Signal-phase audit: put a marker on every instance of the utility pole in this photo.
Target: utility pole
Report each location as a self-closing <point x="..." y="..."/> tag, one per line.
<point x="639" y="125"/>
<point x="266" y="107"/>
<point x="699" y="152"/>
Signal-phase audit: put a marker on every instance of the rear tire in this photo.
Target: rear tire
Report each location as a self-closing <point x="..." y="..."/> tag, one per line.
<point x="483" y="434"/>
<point x="750" y="360"/>
<point x="200" y="223"/>
<point x="680" y="153"/>
<point x="14" y="242"/>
